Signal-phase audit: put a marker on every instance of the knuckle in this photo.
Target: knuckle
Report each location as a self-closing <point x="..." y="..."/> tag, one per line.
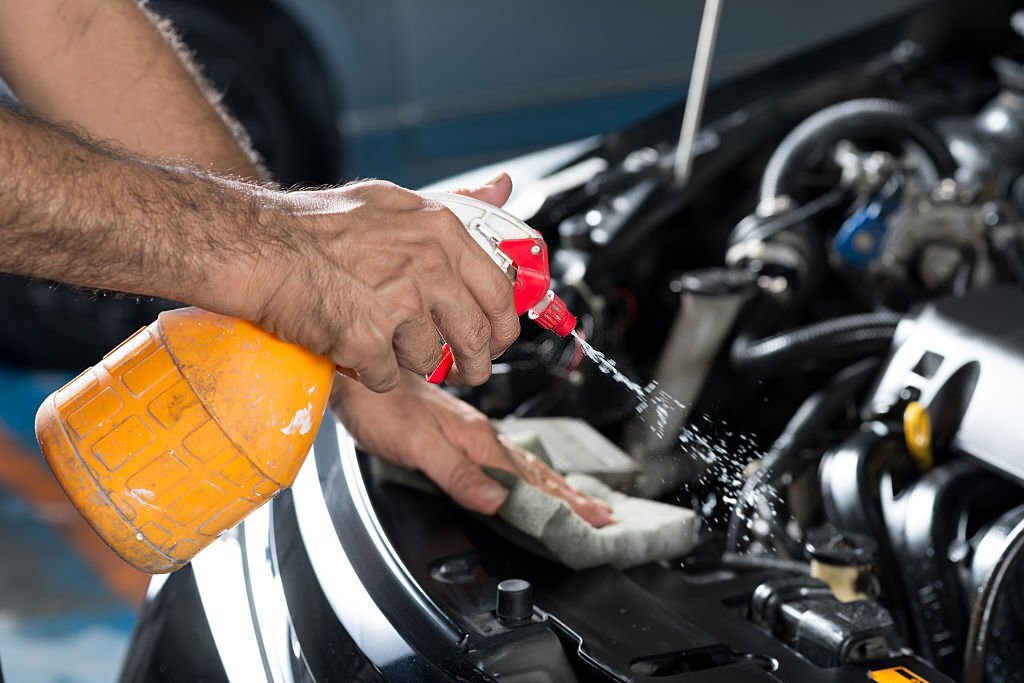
<point x="462" y="475"/>
<point x="423" y="358"/>
<point x="433" y="257"/>
<point x="502" y="295"/>
<point x="367" y="348"/>
<point x="479" y="422"/>
<point x="380" y="377"/>
<point x="386" y="193"/>
<point x="477" y="338"/>
<point x="407" y="301"/>
<point x="376" y="185"/>
<point x="445" y="223"/>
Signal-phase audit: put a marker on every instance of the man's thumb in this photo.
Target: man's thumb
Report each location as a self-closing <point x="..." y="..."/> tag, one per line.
<point x="495" y="191"/>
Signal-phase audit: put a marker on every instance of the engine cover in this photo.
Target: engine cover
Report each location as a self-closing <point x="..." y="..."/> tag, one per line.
<point x="963" y="358"/>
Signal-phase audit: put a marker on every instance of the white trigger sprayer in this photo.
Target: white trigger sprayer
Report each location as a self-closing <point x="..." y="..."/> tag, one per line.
<point x="522" y="255"/>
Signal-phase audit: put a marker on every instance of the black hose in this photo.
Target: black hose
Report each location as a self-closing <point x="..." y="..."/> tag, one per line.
<point x="870" y="117"/>
<point x="979" y="632"/>
<point x="847" y="337"/>
<point x="806" y="424"/>
<point x="756" y="227"/>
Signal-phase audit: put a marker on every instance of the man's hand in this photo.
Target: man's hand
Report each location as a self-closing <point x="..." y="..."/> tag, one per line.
<point x="370" y="273"/>
<point x="418" y="425"/>
<point x="367" y="274"/>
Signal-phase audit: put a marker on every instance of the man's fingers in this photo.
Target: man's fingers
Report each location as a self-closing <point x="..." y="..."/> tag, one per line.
<point x="371" y="355"/>
<point x="492" y="290"/>
<point x="537" y="473"/>
<point x="487" y="449"/>
<point x="489" y="286"/>
<point x="462" y="479"/>
<point x="596" y="512"/>
<point x="468" y="331"/>
<point x="416" y="342"/>
<point x="418" y="346"/>
<point x="380" y="376"/>
<point x="480" y="443"/>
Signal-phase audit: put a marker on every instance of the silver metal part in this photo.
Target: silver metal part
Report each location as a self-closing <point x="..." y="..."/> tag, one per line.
<point x="699" y="78"/>
<point x="941" y="242"/>
<point x="706" y="316"/>
<point x="964" y="357"/>
<point x="863" y="171"/>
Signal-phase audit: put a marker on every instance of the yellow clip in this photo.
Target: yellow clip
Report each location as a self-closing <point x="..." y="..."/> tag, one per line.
<point x="897" y="674"/>
<point x="917" y="429"/>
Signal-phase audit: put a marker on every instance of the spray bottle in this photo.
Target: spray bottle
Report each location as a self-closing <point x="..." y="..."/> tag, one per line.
<point x="195" y="421"/>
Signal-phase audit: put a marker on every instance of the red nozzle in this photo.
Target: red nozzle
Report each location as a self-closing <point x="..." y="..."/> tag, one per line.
<point x="555" y="316"/>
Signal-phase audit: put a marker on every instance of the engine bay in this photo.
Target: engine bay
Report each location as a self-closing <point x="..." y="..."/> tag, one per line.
<point x="826" y="322"/>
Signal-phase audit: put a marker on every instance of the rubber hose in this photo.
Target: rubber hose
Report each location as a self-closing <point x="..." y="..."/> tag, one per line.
<point x="871" y="117"/>
<point x="850" y="336"/>
<point x="808" y="421"/>
<point x="980" y="629"/>
<point x="764" y="562"/>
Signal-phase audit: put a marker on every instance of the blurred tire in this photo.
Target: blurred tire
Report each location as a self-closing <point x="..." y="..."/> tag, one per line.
<point x="271" y="79"/>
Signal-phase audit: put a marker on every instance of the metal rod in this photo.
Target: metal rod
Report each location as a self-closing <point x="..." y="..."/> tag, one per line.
<point x="699" y="78"/>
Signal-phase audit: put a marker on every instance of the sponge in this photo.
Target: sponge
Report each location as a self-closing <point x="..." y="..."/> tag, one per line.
<point x="645" y="530"/>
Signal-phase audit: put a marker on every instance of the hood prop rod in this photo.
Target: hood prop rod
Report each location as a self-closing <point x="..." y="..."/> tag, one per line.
<point x="699" y="78"/>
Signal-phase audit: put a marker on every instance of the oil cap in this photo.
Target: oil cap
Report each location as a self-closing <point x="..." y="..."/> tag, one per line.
<point x="515" y="602"/>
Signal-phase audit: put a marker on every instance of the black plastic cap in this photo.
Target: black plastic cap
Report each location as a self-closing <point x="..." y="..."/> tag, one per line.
<point x="839" y="548"/>
<point x="515" y="602"/>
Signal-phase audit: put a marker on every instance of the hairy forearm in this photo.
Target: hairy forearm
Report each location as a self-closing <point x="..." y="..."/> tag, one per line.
<point x="84" y="213"/>
<point x="112" y="69"/>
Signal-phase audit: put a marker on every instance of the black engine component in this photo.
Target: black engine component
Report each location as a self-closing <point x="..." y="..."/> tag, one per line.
<point x="1000" y="603"/>
<point x="960" y="358"/>
<point x="862" y="118"/>
<point x="850" y="337"/>
<point x="929" y="525"/>
<point x="804" y="613"/>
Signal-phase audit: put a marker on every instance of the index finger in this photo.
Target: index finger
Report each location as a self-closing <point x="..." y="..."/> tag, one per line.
<point x="491" y="287"/>
<point x="493" y="291"/>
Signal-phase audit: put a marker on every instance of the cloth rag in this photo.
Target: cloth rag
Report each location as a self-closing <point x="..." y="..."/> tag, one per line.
<point x="644" y="530"/>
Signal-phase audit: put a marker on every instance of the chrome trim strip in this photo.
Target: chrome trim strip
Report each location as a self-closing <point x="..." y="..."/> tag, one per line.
<point x="352" y="604"/>
<point x="220" y="578"/>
